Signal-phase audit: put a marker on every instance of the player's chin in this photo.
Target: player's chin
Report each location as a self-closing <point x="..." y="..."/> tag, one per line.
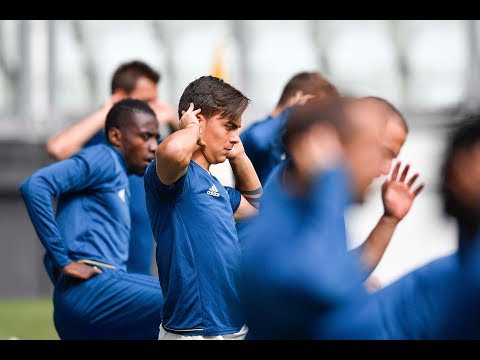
<point x="217" y="159"/>
<point x="140" y="169"/>
<point x="221" y="159"/>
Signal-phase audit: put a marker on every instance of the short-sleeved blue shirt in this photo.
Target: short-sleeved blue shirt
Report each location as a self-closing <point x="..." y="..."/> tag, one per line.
<point x="198" y="253"/>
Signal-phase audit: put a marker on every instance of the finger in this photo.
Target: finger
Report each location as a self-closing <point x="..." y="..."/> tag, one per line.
<point x="197" y="111"/>
<point x="183" y="112"/>
<point x="404" y="173"/>
<point x="418" y="189"/>
<point x="395" y="171"/>
<point x="412" y="180"/>
<point x="385" y="183"/>
<point x="97" y="270"/>
<point x="303" y="99"/>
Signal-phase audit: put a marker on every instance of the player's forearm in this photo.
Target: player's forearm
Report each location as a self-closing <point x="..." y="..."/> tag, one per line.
<point x="374" y="247"/>
<point x="175" y="152"/>
<point x="38" y="197"/>
<point x="68" y="142"/>
<point x="246" y="179"/>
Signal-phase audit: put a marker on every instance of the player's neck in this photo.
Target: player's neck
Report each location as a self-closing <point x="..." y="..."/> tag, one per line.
<point x="200" y="159"/>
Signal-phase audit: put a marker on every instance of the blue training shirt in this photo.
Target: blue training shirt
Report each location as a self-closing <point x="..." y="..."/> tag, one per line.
<point x="141" y="244"/>
<point x="92" y="218"/>
<point x="198" y="254"/>
<point x="296" y="272"/>
<point x="463" y="314"/>
<point x="263" y="143"/>
<point x="414" y="306"/>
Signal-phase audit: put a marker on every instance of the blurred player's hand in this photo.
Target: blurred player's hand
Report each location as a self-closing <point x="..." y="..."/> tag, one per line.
<point x="165" y="113"/>
<point x="318" y="150"/>
<point x="397" y="194"/>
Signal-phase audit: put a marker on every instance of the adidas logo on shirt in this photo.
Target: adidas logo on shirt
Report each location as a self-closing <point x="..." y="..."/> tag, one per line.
<point x="213" y="191"/>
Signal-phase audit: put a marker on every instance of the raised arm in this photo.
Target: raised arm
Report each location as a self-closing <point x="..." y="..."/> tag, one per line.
<point x="397" y="197"/>
<point x="165" y="114"/>
<point x="246" y="181"/>
<point x="67" y="142"/>
<point x="174" y="153"/>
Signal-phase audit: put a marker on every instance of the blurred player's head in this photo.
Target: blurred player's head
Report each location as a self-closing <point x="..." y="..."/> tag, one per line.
<point x="303" y="83"/>
<point x="132" y="128"/>
<point x="360" y="140"/>
<point x="137" y="80"/>
<point x="460" y="177"/>
<point x="363" y="145"/>
<point x="396" y="130"/>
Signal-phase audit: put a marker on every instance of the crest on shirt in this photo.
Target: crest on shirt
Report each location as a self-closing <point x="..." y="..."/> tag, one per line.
<point x="121" y="194"/>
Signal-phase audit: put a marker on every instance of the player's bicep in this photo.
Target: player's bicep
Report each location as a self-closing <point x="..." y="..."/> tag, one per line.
<point x="169" y="172"/>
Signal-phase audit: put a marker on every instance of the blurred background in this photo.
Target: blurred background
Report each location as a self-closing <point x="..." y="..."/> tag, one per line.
<point x="55" y="72"/>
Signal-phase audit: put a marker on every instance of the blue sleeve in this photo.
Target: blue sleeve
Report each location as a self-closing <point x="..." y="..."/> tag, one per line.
<point x="259" y="137"/>
<point x="235" y="197"/>
<point x="77" y="173"/>
<point x="154" y="186"/>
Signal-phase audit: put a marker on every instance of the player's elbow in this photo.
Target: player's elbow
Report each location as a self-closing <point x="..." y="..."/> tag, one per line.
<point x="55" y="151"/>
<point x="27" y="188"/>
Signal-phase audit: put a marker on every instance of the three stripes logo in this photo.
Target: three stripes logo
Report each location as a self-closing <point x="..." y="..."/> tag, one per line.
<point x="213" y="191"/>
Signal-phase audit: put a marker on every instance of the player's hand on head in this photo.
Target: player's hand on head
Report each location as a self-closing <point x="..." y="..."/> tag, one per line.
<point x="80" y="270"/>
<point x="317" y="150"/>
<point x="189" y="118"/>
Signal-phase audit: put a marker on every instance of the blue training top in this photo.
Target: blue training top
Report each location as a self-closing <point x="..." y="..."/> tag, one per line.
<point x="198" y="254"/>
<point x="92" y="218"/>
<point x="415" y="306"/>
<point x="296" y="271"/>
<point x="141" y="244"/>
<point x="263" y="143"/>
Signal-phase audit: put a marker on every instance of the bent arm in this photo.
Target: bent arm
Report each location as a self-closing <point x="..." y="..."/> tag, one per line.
<point x="38" y="194"/>
<point x="174" y="153"/>
<point x="372" y="250"/>
<point x="67" y="142"/>
<point x="41" y="188"/>
<point x="258" y="140"/>
<point x="397" y="197"/>
<point x="247" y="182"/>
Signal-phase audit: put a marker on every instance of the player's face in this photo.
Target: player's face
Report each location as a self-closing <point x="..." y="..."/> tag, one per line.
<point x="139" y="142"/>
<point x="364" y="148"/>
<point x="220" y="135"/>
<point x="393" y="140"/>
<point x="145" y="90"/>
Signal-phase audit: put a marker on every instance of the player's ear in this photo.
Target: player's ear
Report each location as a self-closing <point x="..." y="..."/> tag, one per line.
<point x="201" y="118"/>
<point x="115" y="136"/>
<point x="119" y="95"/>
